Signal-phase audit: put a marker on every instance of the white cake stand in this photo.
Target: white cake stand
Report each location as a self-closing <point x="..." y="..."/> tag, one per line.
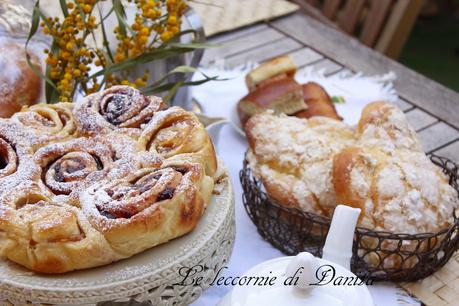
<point x="148" y="277"/>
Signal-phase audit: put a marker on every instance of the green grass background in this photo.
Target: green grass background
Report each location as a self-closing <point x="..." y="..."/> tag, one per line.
<point x="433" y="49"/>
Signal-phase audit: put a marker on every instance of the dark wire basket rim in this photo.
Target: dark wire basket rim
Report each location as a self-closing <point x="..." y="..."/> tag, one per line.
<point x="327" y="220"/>
<point x="447" y="240"/>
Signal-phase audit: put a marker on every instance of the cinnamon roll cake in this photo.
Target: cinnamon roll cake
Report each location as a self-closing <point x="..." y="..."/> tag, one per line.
<point x="88" y="184"/>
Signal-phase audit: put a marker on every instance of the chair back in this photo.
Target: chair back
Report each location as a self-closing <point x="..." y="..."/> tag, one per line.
<point x="383" y="25"/>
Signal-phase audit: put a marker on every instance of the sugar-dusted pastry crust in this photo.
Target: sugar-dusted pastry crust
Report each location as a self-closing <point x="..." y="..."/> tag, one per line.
<point x="380" y="168"/>
<point x="117" y="108"/>
<point x="317" y="163"/>
<point x="398" y="188"/>
<point x="388" y="176"/>
<point x="79" y="191"/>
<point x="401" y="193"/>
<point x="293" y="158"/>
<point x="176" y="133"/>
<point x="385" y="126"/>
<point x="149" y="207"/>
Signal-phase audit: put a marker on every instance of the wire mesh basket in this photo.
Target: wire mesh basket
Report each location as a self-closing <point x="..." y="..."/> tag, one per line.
<point x="377" y="255"/>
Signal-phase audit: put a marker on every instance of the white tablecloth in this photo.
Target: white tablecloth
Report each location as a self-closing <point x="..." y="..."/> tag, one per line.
<point x="218" y="99"/>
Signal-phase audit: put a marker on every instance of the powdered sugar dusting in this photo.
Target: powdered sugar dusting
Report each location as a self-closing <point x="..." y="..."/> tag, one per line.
<point x="303" y="149"/>
<point x="399" y="187"/>
<point x="51" y="155"/>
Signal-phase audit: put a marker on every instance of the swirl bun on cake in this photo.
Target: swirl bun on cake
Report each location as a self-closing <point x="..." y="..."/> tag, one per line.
<point x="70" y="165"/>
<point x="8" y="158"/>
<point x="175" y="132"/>
<point x="77" y="191"/>
<point x="50" y="119"/>
<point x="115" y="108"/>
<point x="46" y="122"/>
<point x="47" y="236"/>
<point x="16" y="160"/>
<point x="148" y="207"/>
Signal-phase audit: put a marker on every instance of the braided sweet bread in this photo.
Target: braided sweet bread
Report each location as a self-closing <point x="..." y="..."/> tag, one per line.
<point x="77" y="190"/>
<point x="380" y="168"/>
<point x="293" y="158"/>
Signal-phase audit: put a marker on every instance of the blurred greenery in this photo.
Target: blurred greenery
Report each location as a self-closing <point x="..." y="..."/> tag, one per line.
<point x="433" y="48"/>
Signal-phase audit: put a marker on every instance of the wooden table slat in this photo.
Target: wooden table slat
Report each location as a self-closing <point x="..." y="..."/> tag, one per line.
<point x="220" y="38"/>
<point x="414" y="87"/>
<point x="451" y="151"/>
<point x="312" y="44"/>
<point x="437" y="135"/>
<point x="403" y="105"/>
<point x="305" y="56"/>
<point x="419" y="119"/>
<point x="326" y="66"/>
<point x="265" y="52"/>
<point x="241" y="44"/>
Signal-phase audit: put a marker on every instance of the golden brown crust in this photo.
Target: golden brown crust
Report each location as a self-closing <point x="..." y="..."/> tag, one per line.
<point x="117" y="108"/>
<point x="293" y="158"/>
<point x="380" y="169"/>
<point x="49" y="237"/>
<point x="149" y="207"/>
<point x="384" y="125"/>
<point x="282" y="96"/>
<point x="282" y="65"/>
<point x="177" y="133"/>
<point x="373" y="113"/>
<point x="343" y="164"/>
<point x="46" y="123"/>
<point x="54" y="170"/>
<point x="318" y="102"/>
<point x="19" y="85"/>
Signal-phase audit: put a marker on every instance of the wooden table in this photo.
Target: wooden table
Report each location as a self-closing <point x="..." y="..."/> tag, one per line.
<point x="432" y="109"/>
